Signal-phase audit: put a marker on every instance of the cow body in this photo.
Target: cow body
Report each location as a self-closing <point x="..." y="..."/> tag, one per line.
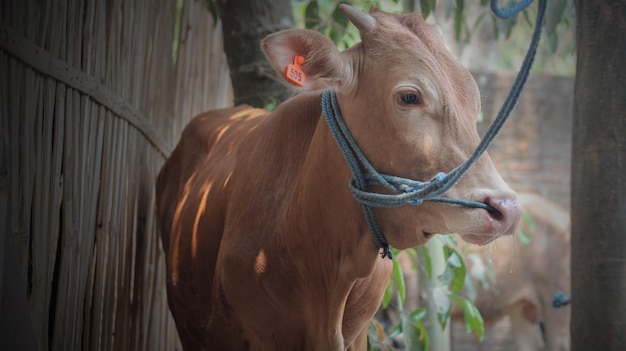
<point x="520" y="281"/>
<point x="265" y="246"/>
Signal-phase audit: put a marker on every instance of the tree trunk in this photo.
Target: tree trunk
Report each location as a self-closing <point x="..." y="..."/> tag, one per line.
<point x="599" y="178"/>
<point x="245" y="23"/>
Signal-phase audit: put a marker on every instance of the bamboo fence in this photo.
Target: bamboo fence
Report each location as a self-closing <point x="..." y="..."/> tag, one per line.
<point x="93" y="98"/>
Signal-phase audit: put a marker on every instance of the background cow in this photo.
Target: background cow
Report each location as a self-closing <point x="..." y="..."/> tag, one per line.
<point x="525" y="278"/>
<point x="516" y="281"/>
<point x="266" y="247"/>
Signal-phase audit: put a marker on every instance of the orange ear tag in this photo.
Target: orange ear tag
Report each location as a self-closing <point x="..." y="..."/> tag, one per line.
<point x="294" y="73"/>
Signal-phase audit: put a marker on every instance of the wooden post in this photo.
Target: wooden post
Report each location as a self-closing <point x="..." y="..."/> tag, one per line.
<point x="599" y="178"/>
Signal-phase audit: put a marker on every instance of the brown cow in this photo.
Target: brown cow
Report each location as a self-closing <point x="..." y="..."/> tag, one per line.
<point x="266" y="247"/>
<point x="525" y="279"/>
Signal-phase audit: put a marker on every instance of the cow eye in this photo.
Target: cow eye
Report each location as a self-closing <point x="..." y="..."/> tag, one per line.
<point x="408" y="98"/>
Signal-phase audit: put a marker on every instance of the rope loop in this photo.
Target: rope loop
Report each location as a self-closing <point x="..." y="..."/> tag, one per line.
<point x="511" y="11"/>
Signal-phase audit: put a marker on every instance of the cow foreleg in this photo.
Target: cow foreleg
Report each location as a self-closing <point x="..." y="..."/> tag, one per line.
<point x="360" y="343"/>
<point x="526" y="334"/>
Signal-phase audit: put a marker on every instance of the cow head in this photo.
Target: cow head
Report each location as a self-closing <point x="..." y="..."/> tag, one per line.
<point x="412" y="108"/>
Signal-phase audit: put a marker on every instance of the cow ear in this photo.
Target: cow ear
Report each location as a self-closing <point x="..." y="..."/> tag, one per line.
<point x="322" y="65"/>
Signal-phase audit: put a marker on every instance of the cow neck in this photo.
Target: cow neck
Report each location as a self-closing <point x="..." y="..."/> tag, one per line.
<point x="355" y="159"/>
<point x="321" y="203"/>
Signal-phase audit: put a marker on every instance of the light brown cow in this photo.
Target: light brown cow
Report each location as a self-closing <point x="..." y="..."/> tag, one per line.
<point x="525" y="279"/>
<point x="266" y="247"/>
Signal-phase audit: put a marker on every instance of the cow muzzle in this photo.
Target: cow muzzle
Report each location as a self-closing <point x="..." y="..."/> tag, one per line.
<point x="490" y="225"/>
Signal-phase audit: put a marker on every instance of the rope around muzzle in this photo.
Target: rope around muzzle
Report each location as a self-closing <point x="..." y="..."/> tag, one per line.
<point x="412" y="192"/>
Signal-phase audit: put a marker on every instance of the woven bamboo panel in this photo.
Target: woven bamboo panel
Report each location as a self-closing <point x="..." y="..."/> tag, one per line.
<point x="93" y="98"/>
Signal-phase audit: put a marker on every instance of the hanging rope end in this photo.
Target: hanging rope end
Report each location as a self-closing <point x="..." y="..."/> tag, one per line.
<point x="386" y="252"/>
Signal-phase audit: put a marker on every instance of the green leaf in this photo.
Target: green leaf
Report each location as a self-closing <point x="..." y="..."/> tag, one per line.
<point x="481" y="116"/>
<point x="339" y="17"/>
<point x="455" y="265"/>
<point x="428" y="265"/>
<point x="425" y="341"/>
<point x="339" y="24"/>
<point x="335" y="35"/>
<point x="460" y="5"/>
<point x="387" y="295"/>
<point x="412" y="5"/>
<point x="554" y="12"/>
<point x="446" y="277"/>
<point x="399" y="278"/>
<point x="395" y="331"/>
<point x="214" y="10"/>
<point x="529" y="221"/>
<point x="496" y="28"/>
<point x="453" y="257"/>
<point x="272" y="104"/>
<point x="414" y="334"/>
<point x="469" y="290"/>
<point x="443" y="318"/>
<point x="468" y="32"/>
<point x="449" y="8"/>
<point x="523" y="238"/>
<point x="508" y="26"/>
<point x="473" y="319"/>
<point x="375" y="331"/>
<point x="529" y="22"/>
<point x="395" y="251"/>
<point x="312" y="15"/>
<point x="433" y="5"/>
<point x="417" y="315"/>
<point x="441" y="299"/>
<point x="425" y="8"/>
<point x="458" y="21"/>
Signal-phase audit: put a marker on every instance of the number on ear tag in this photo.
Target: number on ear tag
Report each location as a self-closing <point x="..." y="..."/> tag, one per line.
<point x="294" y="74"/>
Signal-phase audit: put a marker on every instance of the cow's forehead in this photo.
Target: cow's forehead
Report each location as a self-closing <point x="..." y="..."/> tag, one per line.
<point x="404" y="47"/>
<point x="405" y="44"/>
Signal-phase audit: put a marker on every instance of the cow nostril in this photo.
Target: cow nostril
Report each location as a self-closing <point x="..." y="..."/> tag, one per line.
<point x="495" y="214"/>
<point x="497" y="208"/>
<point x="492" y="210"/>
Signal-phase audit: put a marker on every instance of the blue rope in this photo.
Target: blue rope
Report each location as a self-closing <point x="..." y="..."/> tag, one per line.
<point x="561" y="299"/>
<point x="412" y="192"/>
<point x="511" y="11"/>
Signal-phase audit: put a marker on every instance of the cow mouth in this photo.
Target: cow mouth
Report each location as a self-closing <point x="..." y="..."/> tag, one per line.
<point x="481" y="226"/>
<point x="496" y="226"/>
<point x="479" y="239"/>
<point x="500" y="218"/>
